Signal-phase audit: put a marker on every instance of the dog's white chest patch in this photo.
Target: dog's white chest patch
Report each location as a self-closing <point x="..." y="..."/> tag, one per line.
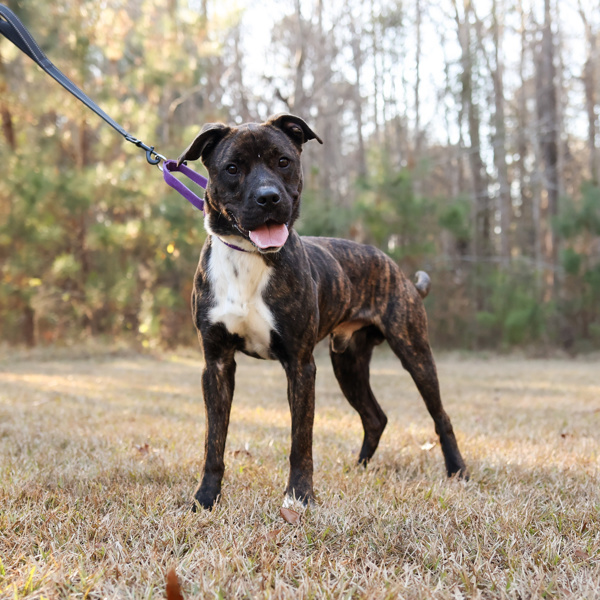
<point x="238" y="280"/>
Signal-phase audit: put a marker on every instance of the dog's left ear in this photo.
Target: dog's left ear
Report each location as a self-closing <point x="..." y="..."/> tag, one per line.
<point x="295" y="128"/>
<point x="210" y="135"/>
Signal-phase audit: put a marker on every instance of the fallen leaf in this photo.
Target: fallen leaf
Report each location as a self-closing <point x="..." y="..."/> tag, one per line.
<point x="582" y="554"/>
<point x="428" y="446"/>
<point x="290" y="516"/>
<point x="272" y="535"/>
<point x="173" y="587"/>
<point x="237" y="453"/>
<point x="144" y="449"/>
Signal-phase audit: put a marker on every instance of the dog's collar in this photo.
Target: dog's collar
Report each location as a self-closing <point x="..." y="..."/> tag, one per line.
<point x="233" y="246"/>
<point x="213" y="234"/>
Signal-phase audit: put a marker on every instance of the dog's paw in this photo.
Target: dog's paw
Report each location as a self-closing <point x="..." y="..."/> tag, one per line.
<point x="363" y="461"/>
<point x="293" y="503"/>
<point x="460" y="474"/>
<point x="296" y="503"/>
<point x="204" y="501"/>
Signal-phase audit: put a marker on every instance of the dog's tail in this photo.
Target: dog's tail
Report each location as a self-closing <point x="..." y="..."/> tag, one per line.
<point x="422" y="283"/>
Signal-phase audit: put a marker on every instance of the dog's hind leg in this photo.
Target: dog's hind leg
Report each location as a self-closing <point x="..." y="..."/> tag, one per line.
<point x="351" y="368"/>
<point x="410" y="343"/>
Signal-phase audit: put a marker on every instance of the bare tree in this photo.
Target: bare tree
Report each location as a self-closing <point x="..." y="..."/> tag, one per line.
<point x="358" y="63"/>
<point x="589" y="84"/>
<point x="481" y="212"/>
<point x="527" y="225"/>
<point x="547" y="112"/>
<point x="496" y="70"/>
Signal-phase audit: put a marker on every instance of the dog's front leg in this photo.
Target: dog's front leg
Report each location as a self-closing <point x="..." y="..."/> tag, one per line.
<point x="217" y="386"/>
<point x="301" y="396"/>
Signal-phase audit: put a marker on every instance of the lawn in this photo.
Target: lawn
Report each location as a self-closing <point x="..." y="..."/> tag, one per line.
<point x="100" y="453"/>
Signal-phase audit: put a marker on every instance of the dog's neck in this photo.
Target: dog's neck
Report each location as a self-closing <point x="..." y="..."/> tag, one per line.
<point x="234" y="242"/>
<point x="232" y="246"/>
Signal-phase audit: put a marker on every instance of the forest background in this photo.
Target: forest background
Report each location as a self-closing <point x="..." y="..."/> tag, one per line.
<point x="460" y="138"/>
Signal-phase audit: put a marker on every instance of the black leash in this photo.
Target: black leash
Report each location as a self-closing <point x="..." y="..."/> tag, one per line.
<point x="14" y="31"/>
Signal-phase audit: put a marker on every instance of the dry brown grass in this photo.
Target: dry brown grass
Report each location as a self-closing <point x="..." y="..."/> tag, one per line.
<point x="99" y="456"/>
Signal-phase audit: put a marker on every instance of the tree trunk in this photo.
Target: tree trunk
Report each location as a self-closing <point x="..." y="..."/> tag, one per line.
<point x="376" y="52"/>
<point x="526" y="226"/>
<point x="29" y="326"/>
<point x="238" y="74"/>
<point x="499" y="140"/>
<point x="481" y="212"/>
<point x="418" y="82"/>
<point x="547" y="112"/>
<point x="589" y="84"/>
<point x="418" y="187"/>
<point x="299" y="93"/>
<point x="7" y="122"/>
<point x="358" y="64"/>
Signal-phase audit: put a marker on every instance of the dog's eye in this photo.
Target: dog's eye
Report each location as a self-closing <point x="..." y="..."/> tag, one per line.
<point x="284" y="162"/>
<point x="231" y="169"/>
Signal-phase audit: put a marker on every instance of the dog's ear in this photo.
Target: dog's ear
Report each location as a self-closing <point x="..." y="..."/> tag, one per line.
<point x="295" y="128"/>
<point x="205" y="142"/>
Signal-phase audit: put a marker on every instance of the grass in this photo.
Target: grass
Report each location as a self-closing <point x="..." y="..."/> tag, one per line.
<point x="100" y="454"/>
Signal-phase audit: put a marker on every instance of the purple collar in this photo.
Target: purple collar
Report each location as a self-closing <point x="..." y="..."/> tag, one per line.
<point x="231" y="245"/>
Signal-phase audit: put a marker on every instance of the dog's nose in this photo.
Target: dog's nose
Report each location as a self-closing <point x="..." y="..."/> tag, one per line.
<point x="267" y="196"/>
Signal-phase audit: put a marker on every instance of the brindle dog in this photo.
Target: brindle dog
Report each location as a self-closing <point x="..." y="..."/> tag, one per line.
<point x="263" y="290"/>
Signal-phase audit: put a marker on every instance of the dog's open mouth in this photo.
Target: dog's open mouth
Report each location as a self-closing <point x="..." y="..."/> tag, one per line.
<point x="269" y="235"/>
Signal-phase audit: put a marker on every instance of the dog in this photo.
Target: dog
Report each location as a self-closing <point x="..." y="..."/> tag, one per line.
<point x="263" y="290"/>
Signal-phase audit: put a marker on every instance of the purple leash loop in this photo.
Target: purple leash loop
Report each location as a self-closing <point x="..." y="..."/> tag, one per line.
<point x="171" y="165"/>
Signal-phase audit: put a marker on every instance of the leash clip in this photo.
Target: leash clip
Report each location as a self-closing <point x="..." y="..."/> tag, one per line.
<point x="150" y="159"/>
<point x="152" y="156"/>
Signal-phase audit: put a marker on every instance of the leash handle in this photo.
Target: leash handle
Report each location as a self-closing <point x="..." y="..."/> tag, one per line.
<point x="14" y="31"/>
<point x="171" y="165"/>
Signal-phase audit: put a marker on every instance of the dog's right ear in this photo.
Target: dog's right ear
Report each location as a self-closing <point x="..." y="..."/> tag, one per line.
<point x="205" y="142"/>
<point x="295" y="128"/>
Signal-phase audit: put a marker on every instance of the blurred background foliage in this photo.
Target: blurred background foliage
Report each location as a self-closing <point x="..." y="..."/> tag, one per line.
<point x="458" y="165"/>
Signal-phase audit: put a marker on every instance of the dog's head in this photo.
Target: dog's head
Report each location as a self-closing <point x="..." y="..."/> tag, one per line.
<point x="255" y="178"/>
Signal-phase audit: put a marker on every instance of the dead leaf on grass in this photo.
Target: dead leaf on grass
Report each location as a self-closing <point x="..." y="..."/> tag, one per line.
<point x="144" y="449"/>
<point x="173" y="587"/>
<point x="290" y="516"/>
<point x="272" y="535"/>
<point x="237" y="453"/>
<point x="581" y="555"/>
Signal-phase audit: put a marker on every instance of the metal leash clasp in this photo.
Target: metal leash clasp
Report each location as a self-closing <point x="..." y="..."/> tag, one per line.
<point x="153" y="160"/>
<point x="152" y="156"/>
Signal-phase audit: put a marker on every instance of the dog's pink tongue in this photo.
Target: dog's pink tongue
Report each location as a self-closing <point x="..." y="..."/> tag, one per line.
<point x="269" y="235"/>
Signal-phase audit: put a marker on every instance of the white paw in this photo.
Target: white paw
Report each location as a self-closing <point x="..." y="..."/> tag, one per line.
<point x="291" y="502"/>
